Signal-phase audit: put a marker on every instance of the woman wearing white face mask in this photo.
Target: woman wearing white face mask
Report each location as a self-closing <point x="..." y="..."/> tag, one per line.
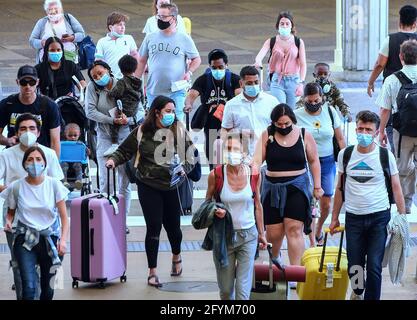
<point x="239" y="193"/>
<point x="57" y="24"/>
<point x="39" y="238"/>
<point x="287" y="64"/>
<point x="28" y="130"/>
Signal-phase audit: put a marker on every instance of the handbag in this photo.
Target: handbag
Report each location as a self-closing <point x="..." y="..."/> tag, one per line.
<point x="132" y="165"/>
<point x="336" y="148"/>
<point x="200" y="116"/>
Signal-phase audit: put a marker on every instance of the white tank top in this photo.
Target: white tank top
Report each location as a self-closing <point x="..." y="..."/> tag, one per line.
<point x="240" y="203"/>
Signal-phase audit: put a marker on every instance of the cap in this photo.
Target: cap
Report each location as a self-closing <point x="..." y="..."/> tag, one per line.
<point x="27" y="71"/>
<point x="217" y="54"/>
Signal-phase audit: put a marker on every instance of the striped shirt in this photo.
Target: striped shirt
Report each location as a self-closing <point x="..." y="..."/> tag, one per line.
<point x="387" y="99"/>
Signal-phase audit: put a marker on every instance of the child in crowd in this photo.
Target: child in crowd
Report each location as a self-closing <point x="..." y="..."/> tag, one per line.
<point x="72" y="132"/>
<point x="116" y="43"/>
<point x="331" y="93"/>
<point x="129" y="91"/>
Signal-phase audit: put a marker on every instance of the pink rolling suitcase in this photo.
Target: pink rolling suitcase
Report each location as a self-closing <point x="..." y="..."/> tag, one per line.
<point x="98" y="237"/>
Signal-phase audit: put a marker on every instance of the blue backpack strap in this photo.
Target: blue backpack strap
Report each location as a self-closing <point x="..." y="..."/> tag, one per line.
<point x="228" y="79"/>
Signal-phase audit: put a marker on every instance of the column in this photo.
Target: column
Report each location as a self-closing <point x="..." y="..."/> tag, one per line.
<point x="337" y="66"/>
<point x="365" y="26"/>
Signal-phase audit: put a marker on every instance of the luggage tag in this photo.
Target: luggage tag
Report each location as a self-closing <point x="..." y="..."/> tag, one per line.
<point x="329" y="275"/>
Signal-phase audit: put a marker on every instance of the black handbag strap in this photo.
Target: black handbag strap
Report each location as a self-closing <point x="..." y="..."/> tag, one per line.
<point x="52" y="83"/>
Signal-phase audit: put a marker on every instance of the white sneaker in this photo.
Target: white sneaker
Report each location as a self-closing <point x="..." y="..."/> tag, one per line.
<point x="355" y="296"/>
<point x="110" y="150"/>
<point x="292" y="285"/>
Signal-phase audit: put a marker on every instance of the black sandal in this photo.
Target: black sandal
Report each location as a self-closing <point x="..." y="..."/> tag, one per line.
<point x="174" y="272"/>
<point x="157" y="284"/>
<point x="319" y="240"/>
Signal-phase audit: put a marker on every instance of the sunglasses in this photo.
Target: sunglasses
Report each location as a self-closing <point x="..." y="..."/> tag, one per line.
<point x="25" y="82"/>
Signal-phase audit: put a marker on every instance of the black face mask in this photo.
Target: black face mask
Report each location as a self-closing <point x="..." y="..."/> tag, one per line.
<point x="162" y="25"/>
<point x="313" y="108"/>
<point x="284" y="131"/>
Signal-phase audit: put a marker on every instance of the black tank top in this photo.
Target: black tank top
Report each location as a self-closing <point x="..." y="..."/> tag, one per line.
<point x="279" y="158"/>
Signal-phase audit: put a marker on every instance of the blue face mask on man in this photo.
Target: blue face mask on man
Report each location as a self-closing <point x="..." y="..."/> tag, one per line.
<point x="364" y="139"/>
<point x="252" y="91"/>
<point x="103" y="81"/>
<point x="218" y="74"/>
<point x="168" y="119"/>
<point x="35" y="169"/>
<point x="55" y="56"/>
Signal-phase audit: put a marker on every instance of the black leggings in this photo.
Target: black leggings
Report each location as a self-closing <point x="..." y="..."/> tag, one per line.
<point x="160" y="208"/>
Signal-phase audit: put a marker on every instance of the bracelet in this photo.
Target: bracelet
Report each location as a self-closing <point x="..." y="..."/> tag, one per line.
<point x="317" y="188"/>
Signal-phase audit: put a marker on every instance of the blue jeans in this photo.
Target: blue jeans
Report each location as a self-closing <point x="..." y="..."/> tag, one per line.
<point x="178" y="97"/>
<point x="27" y="262"/>
<point x="235" y="280"/>
<point x="366" y="236"/>
<point x="328" y="174"/>
<point x="284" y="91"/>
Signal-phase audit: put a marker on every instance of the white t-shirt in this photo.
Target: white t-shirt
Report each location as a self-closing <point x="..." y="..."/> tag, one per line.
<point x="36" y="205"/>
<point x="11" y="168"/>
<point x="365" y="190"/>
<point x="152" y="25"/>
<point x="320" y="127"/>
<point x="253" y="116"/>
<point x="111" y="51"/>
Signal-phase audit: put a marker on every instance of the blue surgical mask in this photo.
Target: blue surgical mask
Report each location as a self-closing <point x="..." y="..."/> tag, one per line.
<point x="55" y="56"/>
<point x="104" y="80"/>
<point x="35" y="169"/>
<point x="116" y="35"/>
<point x="168" y="119"/>
<point x="252" y="91"/>
<point x="364" y="140"/>
<point x="285" y="32"/>
<point x="218" y="74"/>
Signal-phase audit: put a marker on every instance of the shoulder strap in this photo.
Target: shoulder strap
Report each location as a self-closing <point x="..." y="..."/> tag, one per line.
<point x="403" y="78"/>
<point x="331" y="115"/>
<point x="271" y="46"/>
<point x="384" y="159"/>
<point x="346" y="157"/>
<point x="52" y="83"/>
<point x="16" y="189"/>
<point x="218" y="181"/>
<point x="303" y="132"/>
<point x="67" y="17"/>
<point x="228" y="82"/>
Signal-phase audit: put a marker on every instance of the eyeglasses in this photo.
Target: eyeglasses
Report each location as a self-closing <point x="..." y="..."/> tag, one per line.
<point x="161" y="17"/>
<point x="25" y="82"/>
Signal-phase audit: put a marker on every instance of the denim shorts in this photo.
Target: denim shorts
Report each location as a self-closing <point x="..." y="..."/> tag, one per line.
<point x="328" y="174"/>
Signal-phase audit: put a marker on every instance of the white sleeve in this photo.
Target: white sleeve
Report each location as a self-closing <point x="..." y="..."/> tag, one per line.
<point x="143" y="50"/>
<point x="340" y="161"/>
<point x="227" y="121"/>
<point x="392" y="164"/>
<point x="385" y="99"/>
<point x="385" y="47"/>
<point x="147" y="28"/>
<point x="8" y="196"/>
<point x="54" y="168"/>
<point x="133" y="46"/>
<point x="181" y="25"/>
<point x="99" y="50"/>
<point x="2" y="167"/>
<point x="337" y="121"/>
<point x="60" y="191"/>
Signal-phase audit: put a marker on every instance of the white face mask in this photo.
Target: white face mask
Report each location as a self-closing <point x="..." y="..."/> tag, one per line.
<point x="55" y="17"/>
<point x="234" y="158"/>
<point x="28" y="139"/>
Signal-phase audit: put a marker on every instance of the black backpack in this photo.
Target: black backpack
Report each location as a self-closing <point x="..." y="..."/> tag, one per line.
<point x="383" y="158"/>
<point x="405" y="119"/>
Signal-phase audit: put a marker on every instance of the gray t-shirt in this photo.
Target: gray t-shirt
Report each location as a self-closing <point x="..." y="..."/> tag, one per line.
<point x="167" y="57"/>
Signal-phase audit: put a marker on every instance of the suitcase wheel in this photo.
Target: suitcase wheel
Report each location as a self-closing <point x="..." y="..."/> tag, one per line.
<point x="101" y="285"/>
<point x="75" y="284"/>
<point x="123" y="279"/>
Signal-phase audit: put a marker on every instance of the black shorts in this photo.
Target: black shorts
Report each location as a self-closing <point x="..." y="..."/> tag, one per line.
<point x="296" y="206"/>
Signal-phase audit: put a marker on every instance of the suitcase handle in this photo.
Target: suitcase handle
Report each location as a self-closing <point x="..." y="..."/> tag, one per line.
<point x="339" y="255"/>
<point x="114" y="185"/>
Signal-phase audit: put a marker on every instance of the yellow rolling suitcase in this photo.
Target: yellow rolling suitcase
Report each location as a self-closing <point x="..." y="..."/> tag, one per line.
<point x="327" y="272"/>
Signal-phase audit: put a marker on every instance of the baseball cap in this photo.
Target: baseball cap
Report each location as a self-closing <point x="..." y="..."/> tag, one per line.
<point x="27" y="71"/>
<point x="217" y="54"/>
